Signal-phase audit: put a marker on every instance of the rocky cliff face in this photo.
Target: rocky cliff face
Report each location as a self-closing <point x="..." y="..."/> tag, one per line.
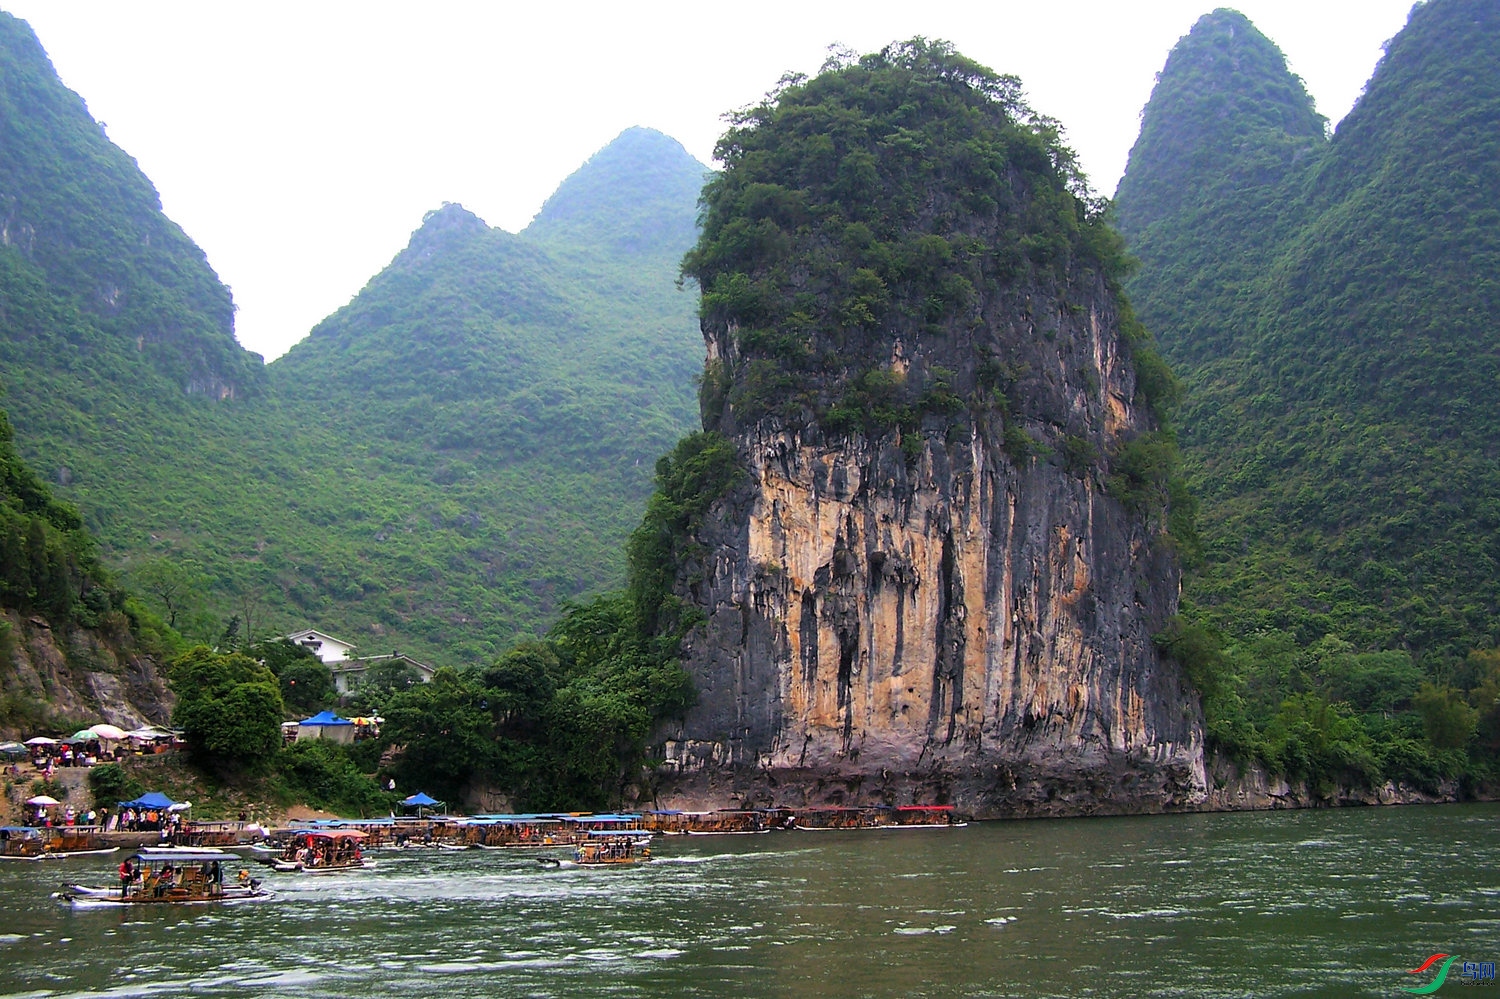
<point x="940" y="574"/>
<point x="963" y="626"/>
<point x="80" y="676"/>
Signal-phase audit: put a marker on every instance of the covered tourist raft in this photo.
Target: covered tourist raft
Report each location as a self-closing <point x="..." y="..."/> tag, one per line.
<point x="324" y="851"/>
<point x="171" y="876"/>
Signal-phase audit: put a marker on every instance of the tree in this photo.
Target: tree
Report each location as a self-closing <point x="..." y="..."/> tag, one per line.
<point x="306" y="684"/>
<point x="1446" y="718"/>
<point x="382" y="681"/>
<point x="1486" y="698"/>
<point x="521" y="684"/>
<point x="177" y="586"/>
<point x="229" y="708"/>
<point x="446" y="734"/>
<point x="110" y="784"/>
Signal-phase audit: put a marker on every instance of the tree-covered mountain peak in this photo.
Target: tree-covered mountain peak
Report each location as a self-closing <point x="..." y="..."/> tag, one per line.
<point x="1225" y="109"/>
<point x="1432" y="101"/>
<point x="1224" y="142"/>
<point x="636" y="195"/>
<point x="443" y="228"/>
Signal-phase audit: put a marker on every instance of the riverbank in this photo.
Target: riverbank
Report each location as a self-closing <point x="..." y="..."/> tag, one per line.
<point x="1019" y="791"/>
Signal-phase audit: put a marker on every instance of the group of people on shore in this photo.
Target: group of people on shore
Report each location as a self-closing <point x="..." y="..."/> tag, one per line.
<point x="69" y="817"/>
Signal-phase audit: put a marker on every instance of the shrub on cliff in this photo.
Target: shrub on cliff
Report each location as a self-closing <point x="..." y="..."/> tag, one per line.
<point x="109" y="784"/>
<point x="701" y="468"/>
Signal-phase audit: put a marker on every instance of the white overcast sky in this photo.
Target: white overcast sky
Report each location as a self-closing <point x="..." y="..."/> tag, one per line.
<point x="300" y="143"/>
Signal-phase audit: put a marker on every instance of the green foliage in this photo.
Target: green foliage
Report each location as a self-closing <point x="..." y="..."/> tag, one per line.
<point x="1485" y="698"/>
<point x="445" y="735"/>
<point x="383" y="680"/>
<point x="229" y="708"/>
<point x="306" y="687"/>
<point x="1200" y="654"/>
<point x="326" y="775"/>
<point x="1311" y="739"/>
<point x="702" y="468"/>
<point x="1326" y="713"/>
<point x="558" y="724"/>
<point x="51" y="788"/>
<point x="110" y="784"/>
<point x="1446" y="717"/>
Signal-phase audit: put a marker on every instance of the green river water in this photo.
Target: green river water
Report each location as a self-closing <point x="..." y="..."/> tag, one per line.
<point x="1327" y="903"/>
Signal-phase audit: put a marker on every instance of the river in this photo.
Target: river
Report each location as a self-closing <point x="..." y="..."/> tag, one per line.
<point x="1330" y="902"/>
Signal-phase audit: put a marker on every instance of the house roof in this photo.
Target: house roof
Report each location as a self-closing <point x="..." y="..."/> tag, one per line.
<point x="313" y="633"/>
<point x="364" y="662"/>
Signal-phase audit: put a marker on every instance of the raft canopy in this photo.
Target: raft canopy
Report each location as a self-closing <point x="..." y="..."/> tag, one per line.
<point x="177" y="855"/>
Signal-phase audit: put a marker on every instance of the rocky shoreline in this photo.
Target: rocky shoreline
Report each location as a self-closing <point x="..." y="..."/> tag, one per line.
<point x="998" y="791"/>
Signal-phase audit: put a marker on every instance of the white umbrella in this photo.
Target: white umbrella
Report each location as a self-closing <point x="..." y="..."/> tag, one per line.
<point x="179" y="806"/>
<point x="112" y="733"/>
<point x="43" y="799"/>
<point x="41" y="740"/>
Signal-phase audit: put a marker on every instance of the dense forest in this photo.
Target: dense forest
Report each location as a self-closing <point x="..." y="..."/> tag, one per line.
<point x="1329" y="304"/>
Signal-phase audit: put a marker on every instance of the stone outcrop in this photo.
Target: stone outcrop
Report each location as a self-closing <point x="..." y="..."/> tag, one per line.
<point x="887" y="623"/>
<point x="82" y="676"/>
<point x="1235" y="789"/>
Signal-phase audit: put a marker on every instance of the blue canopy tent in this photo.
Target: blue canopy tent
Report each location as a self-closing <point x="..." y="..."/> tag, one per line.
<point x="150" y="800"/>
<point x="326" y="725"/>
<point x="326" y="718"/>
<point x="420" y="801"/>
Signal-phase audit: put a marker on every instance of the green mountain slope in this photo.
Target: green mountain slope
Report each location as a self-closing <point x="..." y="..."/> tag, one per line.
<point x="1330" y="305"/>
<point x="519" y="388"/>
<point x="76" y="213"/>
<point x="1341" y="349"/>
<point x="435" y="469"/>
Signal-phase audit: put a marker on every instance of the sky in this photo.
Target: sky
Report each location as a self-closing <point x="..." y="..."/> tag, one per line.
<point x="300" y="144"/>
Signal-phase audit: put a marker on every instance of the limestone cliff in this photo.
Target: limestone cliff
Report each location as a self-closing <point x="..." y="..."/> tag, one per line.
<point x="965" y="627"/>
<point x="940" y="573"/>
<point x="77" y="675"/>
